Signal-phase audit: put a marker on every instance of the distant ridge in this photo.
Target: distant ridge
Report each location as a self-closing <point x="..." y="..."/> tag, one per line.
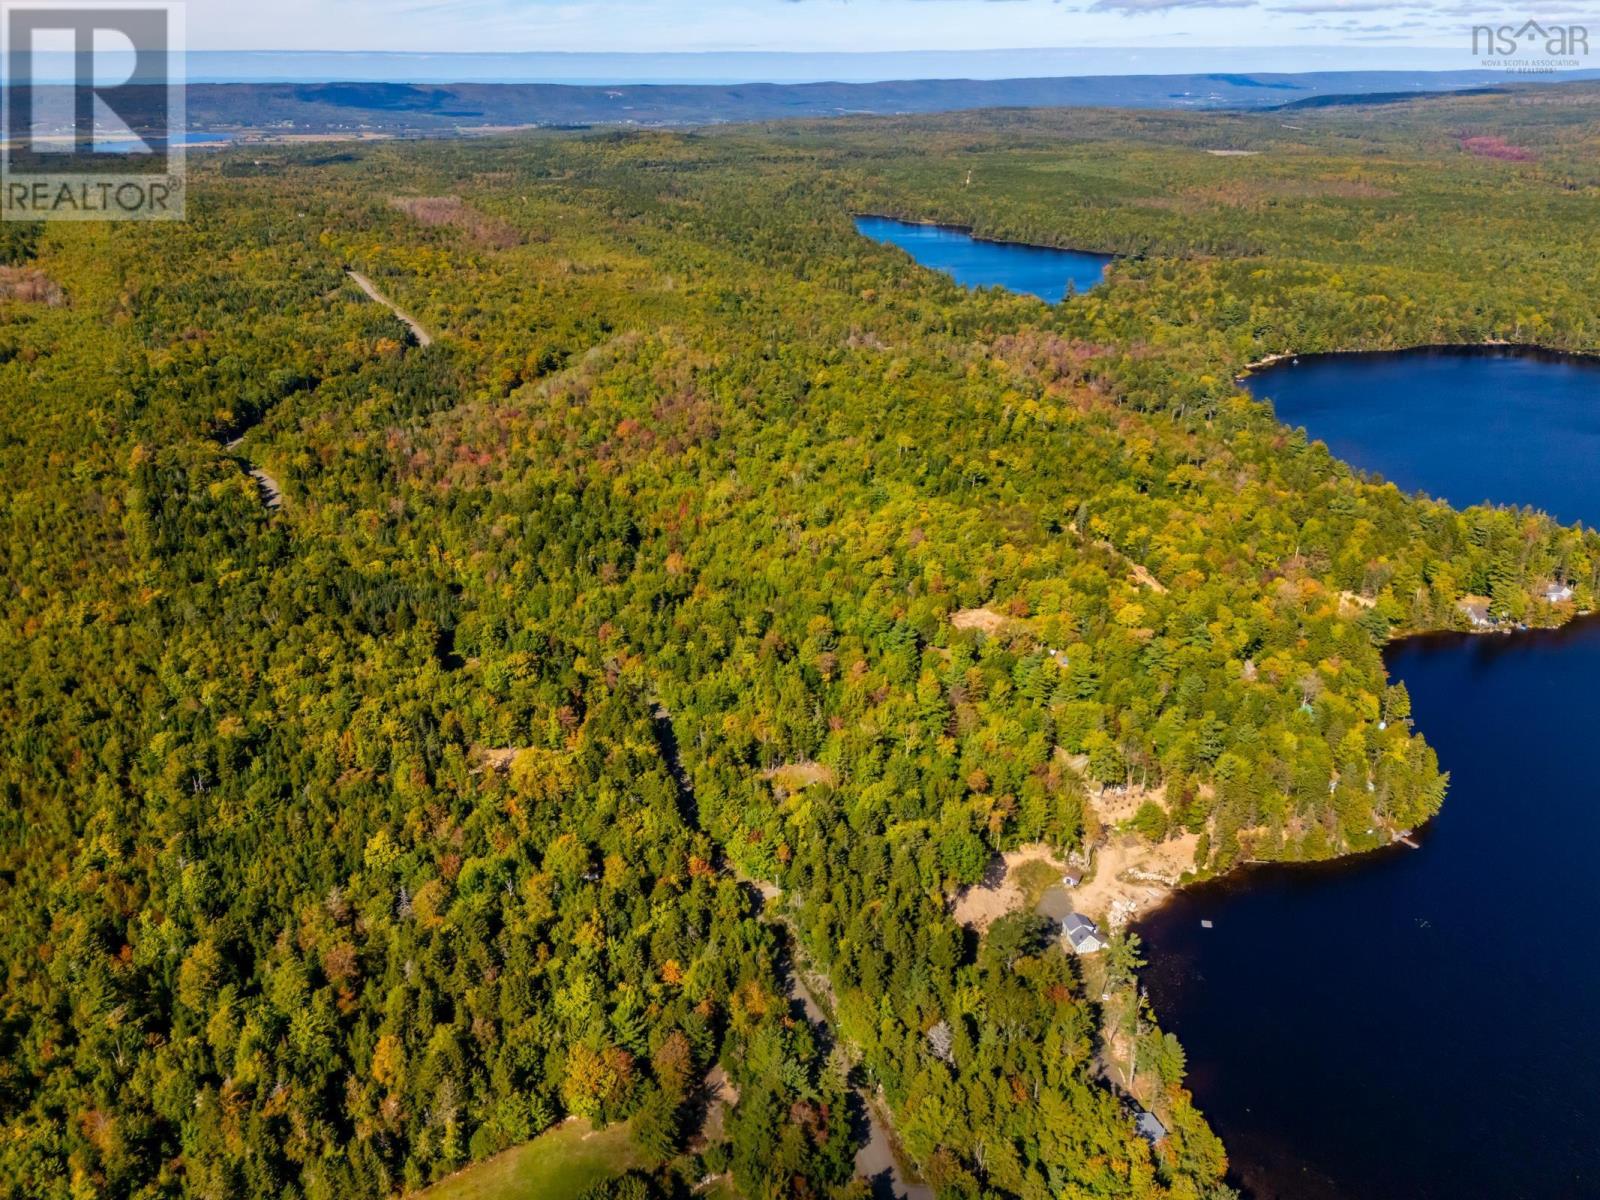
<point x="1247" y="82"/>
<point x="1339" y="101"/>
<point x="755" y="66"/>
<point x="414" y="109"/>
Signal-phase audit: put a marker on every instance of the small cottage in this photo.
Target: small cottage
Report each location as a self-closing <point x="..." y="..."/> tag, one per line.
<point x="1071" y="877"/>
<point x="1476" y="610"/>
<point x="1150" y="1127"/>
<point x="1082" y="934"/>
<point x="1556" y="593"/>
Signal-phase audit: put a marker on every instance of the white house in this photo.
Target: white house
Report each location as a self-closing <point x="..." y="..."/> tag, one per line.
<point x="1082" y="934"/>
<point x="1476" y="610"/>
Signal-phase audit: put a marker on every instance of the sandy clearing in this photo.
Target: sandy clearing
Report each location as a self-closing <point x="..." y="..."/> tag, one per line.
<point x="1114" y="805"/>
<point x="1132" y="876"/>
<point x="1141" y="574"/>
<point x="980" y="905"/>
<point x="494" y="758"/>
<point x="985" y="620"/>
<point x="796" y="777"/>
<point x="721" y="1095"/>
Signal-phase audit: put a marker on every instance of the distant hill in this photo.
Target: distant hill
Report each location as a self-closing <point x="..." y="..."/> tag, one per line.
<point x="410" y="108"/>
<point x="1342" y="100"/>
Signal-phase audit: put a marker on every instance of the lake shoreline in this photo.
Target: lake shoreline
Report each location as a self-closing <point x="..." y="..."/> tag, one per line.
<point x="1419" y="833"/>
<point x="1273" y="1167"/>
<point x="971" y="232"/>
<point x="1489" y="346"/>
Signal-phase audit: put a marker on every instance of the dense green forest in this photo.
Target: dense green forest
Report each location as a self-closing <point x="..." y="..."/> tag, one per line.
<point x="350" y="841"/>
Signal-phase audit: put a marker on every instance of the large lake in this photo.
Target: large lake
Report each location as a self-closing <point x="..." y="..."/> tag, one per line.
<point x="1040" y="271"/>
<point x="1422" y="1024"/>
<point x="1511" y="425"/>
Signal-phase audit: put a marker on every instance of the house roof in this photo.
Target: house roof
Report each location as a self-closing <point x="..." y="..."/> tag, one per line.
<point x="1150" y="1126"/>
<point x="1080" y="931"/>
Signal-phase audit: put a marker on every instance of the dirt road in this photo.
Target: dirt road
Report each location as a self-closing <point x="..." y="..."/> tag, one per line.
<point x="371" y="289"/>
<point x="271" y="491"/>
<point x="875" y="1161"/>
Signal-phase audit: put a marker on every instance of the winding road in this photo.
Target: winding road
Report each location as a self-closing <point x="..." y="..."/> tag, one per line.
<point x="371" y="289"/>
<point x="876" y="1161"/>
<point x="271" y="490"/>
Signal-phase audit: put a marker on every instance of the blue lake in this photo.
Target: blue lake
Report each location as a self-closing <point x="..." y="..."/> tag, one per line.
<point x="1421" y="1024"/>
<point x="1510" y="425"/>
<point x="134" y="146"/>
<point x="1040" y="271"/>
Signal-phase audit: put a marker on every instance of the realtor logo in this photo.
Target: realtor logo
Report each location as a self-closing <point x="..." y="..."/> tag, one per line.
<point x="93" y="111"/>
<point x="1531" y="48"/>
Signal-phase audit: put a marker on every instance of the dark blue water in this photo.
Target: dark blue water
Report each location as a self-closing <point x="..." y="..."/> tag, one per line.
<point x="1514" y="426"/>
<point x="1422" y="1024"/>
<point x="1040" y="271"/>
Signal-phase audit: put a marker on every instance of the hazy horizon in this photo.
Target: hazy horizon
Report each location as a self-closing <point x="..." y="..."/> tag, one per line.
<point x="776" y="66"/>
<point x="1283" y="35"/>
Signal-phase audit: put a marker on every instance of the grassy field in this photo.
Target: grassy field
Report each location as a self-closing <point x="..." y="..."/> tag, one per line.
<point x="557" y="1165"/>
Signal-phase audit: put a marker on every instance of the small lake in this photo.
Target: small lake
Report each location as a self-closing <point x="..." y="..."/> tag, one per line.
<point x="1507" y="424"/>
<point x="196" y="139"/>
<point x="1425" y="1024"/>
<point x="1041" y="271"/>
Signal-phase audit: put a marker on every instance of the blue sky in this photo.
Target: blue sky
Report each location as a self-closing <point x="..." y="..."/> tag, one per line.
<point x="1349" y="33"/>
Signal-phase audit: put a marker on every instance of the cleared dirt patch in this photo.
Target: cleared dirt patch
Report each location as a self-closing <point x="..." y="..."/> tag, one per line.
<point x="456" y="213"/>
<point x="1131" y="876"/>
<point x="985" y="620"/>
<point x="31" y="286"/>
<point x="796" y="777"/>
<point x="1011" y="887"/>
<point x="495" y="758"/>
<point x="1141" y="576"/>
<point x="721" y="1095"/>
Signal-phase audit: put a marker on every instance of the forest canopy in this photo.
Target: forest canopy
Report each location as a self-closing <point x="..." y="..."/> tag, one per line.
<point x="602" y="662"/>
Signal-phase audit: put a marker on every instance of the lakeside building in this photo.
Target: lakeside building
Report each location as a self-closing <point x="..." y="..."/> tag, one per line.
<point x="1556" y="593"/>
<point x="1149" y="1126"/>
<point x="1082" y="934"/>
<point x="1476" y="610"/>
